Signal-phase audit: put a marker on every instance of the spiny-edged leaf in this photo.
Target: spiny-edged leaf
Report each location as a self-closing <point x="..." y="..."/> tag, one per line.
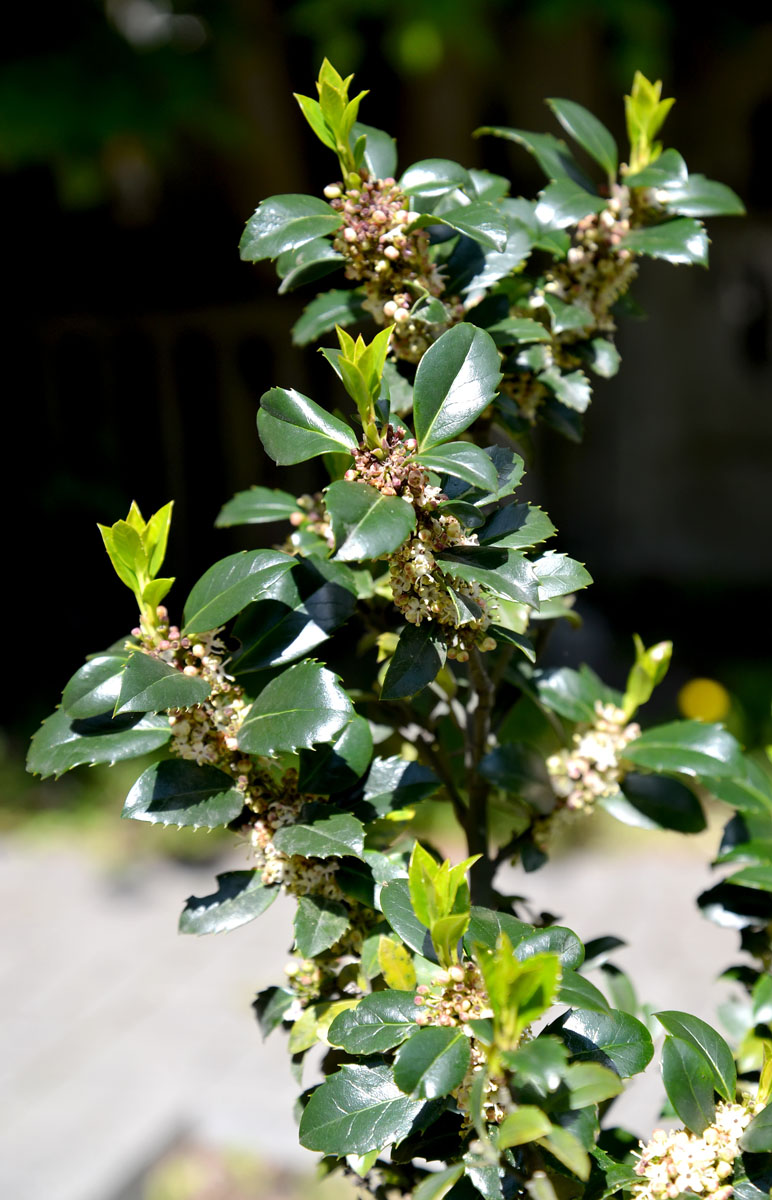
<point x="505" y="573"/>
<point x="688" y="1081"/>
<point x="396" y="783"/>
<point x="64" y="742"/>
<point x="420" y="656"/>
<point x="572" y="389"/>
<point x="285" y="222"/>
<point x="294" y="615"/>
<point x="613" y="1038"/>
<point x="269" y="1006"/>
<point x="149" y="684"/>
<point x="578" y="992"/>
<point x="574" y="694"/>
<point x="178" y="792"/>
<point x="332" y="837"/>
<point x="340" y="764"/>
<point x="398" y="911"/>
<point x="667" y="171"/>
<point x="456" y="379"/>
<point x="710" y="1045"/>
<point x="591" y="1083"/>
<point x="95" y="687"/>
<point x="432" y="1062"/>
<point x="525" y="1124"/>
<point x="565" y="316"/>
<point x="479" y="271"/>
<point x="551" y="153"/>
<point x="701" y="197"/>
<point x="463" y="460"/>
<point x="524" y="644"/>
<point x="365" y="523"/>
<point x="655" y="802"/>
<point x="379" y="1022"/>
<point x="589" y="132"/>
<point x="360" y="1108"/>
<point x="433" y="177"/>
<point x="479" y="220"/>
<point x="516" y="527"/>
<point x="486" y="927"/>
<point x="302" y="706"/>
<point x="293" y="428"/>
<point x="568" y="1150"/>
<point x="559" y="575"/>
<point x="437" y="1185"/>
<point x="750" y="791"/>
<point x="257" y="506"/>
<point x="512" y="330"/>
<point x="338" y="307"/>
<point x="564" y="203"/>
<point x="319" y="924"/>
<point x="682" y="240"/>
<point x="757" y="1138"/>
<point x="240" y="897"/>
<point x="306" y="263"/>
<point x="396" y="964"/>
<point x="554" y="939"/>
<point x="230" y="585"/>
<point x="380" y="150"/>
<point x="689" y="747"/>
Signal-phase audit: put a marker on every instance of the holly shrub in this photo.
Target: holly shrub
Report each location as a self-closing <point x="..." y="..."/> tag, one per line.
<point x="466" y="1053"/>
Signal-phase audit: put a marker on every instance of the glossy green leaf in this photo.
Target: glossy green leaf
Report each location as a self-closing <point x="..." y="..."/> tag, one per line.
<point x="380" y="150"/>
<point x="516" y="527"/>
<point x="149" y="684"/>
<point x="540" y="1064"/>
<point x="95" y="687"/>
<point x="178" y="792"/>
<point x="602" y="357"/>
<point x="551" y="153"/>
<point x="365" y="523"/>
<point x="398" y="911"/>
<point x="432" y="1062"/>
<point x="554" y="939"/>
<point x="307" y="263"/>
<point x="437" y="1185"/>
<point x="340" y="764"/>
<point x="284" y="223"/>
<point x="378" y="1023"/>
<point x="701" y="197"/>
<point x="302" y="706"/>
<point x="689" y="747"/>
<point x="591" y="1083"/>
<point x="464" y="461"/>
<point x="257" y="506"/>
<point x="613" y="1038"/>
<point x="578" y="992"/>
<point x="682" y="240"/>
<point x="293" y="428"/>
<point x="667" y="171"/>
<point x="572" y="389"/>
<point x="505" y="573"/>
<point x="319" y="924"/>
<point x="433" y="177"/>
<point x="230" y="585"/>
<point x="759" y="877"/>
<point x="420" y="655"/>
<point x="240" y="897"/>
<point x="486" y="268"/>
<point x="486" y="926"/>
<point x="331" y="837"/>
<point x="565" y="317"/>
<point x="394" y="783"/>
<point x="339" y="307"/>
<point x="512" y="331"/>
<point x="564" y="203"/>
<point x="757" y="1138"/>
<point x="710" y="1045"/>
<point x="269" y="1006"/>
<point x="359" y="1108"/>
<point x="589" y="132"/>
<point x="559" y="575"/>
<point x="525" y="1124"/>
<point x="688" y="1081"/>
<point x="654" y="802"/>
<point x="479" y="220"/>
<point x="568" y="1150"/>
<point x="64" y="742"/>
<point x="456" y="379"/>
<point x="574" y="694"/>
<point x="749" y="791"/>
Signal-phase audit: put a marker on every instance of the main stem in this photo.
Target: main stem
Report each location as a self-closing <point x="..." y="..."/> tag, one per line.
<point x="476" y="820"/>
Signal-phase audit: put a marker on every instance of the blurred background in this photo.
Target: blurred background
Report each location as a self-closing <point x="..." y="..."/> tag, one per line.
<point x="137" y="137"/>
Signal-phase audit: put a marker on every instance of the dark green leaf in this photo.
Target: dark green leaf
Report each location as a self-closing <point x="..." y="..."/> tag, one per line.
<point x="578" y="992"/>
<point x="612" y="1038"/>
<point x="564" y="317"/>
<point x="432" y="1062"/>
<point x="307" y="263"/>
<point x="701" y="197"/>
<point x="589" y="132"/>
<point x="149" y="684"/>
<point x="653" y="802"/>
<point x="64" y="742"/>
<point x="270" y="1005"/>
<point x="366" y="523"/>
<point x="551" y="153"/>
<point x="572" y="389"/>
<point x="682" y="240"/>
<point x="555" y="939"/>
<point x="464" y="461"/>
<point x="487" y="268"/>
<point x="524" y="645"/>
<point x="488" y="186"/>
<point x="540" y="1063"/>
<point x="240" y="897"/>
<point x="284" y="223"/>
<point x="689" y="747"/>
<point x="230" y="585"/>
<point x="753" y="877"/>
<point x="176" y="792"/>
<point x="94" y="688"/>
<point x="750" y="791"/>
<point x="665" y="172"/>
<point x="257" y="506"/>
<point x="565" y="202"/>
<point x="602" y="357"/>
<point x="559" y="575"/>
<point x="420" y="655"/>
<point x="293" y="428"/>
<point x="379" y="1022"/>
<point x="319" y="924"/>
<point x="574" y="694"/>
<point x="505" y="573"/>
<point x="302" y="706"/>
<point x="456" y="379"/>
<point x="516" y="527"/>
<point x="394" y="783"/>
<point x="710" y="1044"/>
<point x="398" y="911"/>
<point x="380" y="150"/>
<point x="688" y="1081"/>
<point x="340" y="764"/>
<point x="479" y="220"/>
<point x="338" y="307"/>
<point x="433" y="177"/>
<point x="757" y="1138"/>
<point x="358" y="1109"/>
<point x="513" y="330"/>
<point x="332" y="837"/>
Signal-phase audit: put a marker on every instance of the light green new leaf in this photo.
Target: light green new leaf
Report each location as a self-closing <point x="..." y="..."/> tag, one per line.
<point x="284" y="223"/>
<point x="456" y="379"/>
<point x="437" y="1185"/>
<point x="177" y="792"/>
<point x="230" y="585"/>
<point x="525" y="1124"/>
<point x="591" y="1083"/>
<point x="240" y="897"/>
<point x="365" y="523"/>
<point x="293" y="428"/>
<point x="149" y="684"/>
<point x="568" y="1150"/>
<point x="302" y="706"/>
<point x="432" y="1062"/>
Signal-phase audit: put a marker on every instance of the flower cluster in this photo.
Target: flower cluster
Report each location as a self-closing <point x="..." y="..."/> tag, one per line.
<point x="393" y="263"/>
<point x="311" y="517"/>
<point x="299" y="875"/>
<point x="676" y="1162"/>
